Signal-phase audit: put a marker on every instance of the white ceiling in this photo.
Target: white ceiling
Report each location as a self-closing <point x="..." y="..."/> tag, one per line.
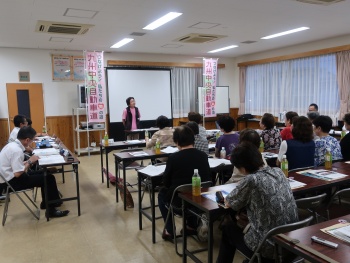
<point x="239" y="20"/>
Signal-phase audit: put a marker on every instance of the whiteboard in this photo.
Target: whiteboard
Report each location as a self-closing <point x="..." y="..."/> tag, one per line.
<point x="222" y="101"/>
<point x="150" y="88"/>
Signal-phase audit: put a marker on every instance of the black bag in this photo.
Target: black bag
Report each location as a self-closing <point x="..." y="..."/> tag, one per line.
<point x="244" y="117"/>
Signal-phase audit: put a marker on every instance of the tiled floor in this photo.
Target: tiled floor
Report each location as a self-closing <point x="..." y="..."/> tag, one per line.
<point x="103" y="233"/>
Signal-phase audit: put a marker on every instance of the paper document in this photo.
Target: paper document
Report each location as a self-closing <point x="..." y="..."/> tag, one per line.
<point x="51" y="159"/>
<point x="340" y="231"/>
<point x="46" y="151"/>
<point x="133" y="141"/>
<point x="170" y="149"/>
<point x="211" y="145"/>
<point x="213" y="162"/>
<point x="153" y="170"/>
<point x="138" y="153"/>
<point x="268" y="155"/>
<point x="295" y="184"/>
<point x="212" y="195"/>
<point x="323" y="174"/>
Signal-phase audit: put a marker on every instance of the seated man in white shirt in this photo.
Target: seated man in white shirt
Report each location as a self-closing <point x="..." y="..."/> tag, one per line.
<point x="19" y="121"/>
<point x="15" y="170"/>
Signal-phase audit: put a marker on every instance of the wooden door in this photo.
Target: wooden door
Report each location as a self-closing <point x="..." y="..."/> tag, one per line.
<point x="26" y="99"/>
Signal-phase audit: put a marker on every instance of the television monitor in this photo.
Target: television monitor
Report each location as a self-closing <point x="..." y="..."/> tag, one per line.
<point x="82" y="96"/>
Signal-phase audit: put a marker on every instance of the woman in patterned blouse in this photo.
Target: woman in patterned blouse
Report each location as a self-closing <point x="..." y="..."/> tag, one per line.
<point x="266" y="195"/>
<point x="270" y="135"/>
<point x="322" y="126"/>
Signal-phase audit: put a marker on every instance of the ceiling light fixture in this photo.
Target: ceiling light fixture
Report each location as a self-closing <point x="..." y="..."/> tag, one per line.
<point x="286" y="32"/>
<point x="221" y="49"/>
<point x="161" y="21"/>
<point x="122" y="42"/>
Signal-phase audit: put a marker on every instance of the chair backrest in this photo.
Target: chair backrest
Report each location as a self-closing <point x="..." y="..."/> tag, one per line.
<point x="187" y="188"/>
<point x="344" y="193"/>
<point x="279" y="230"/>
<point x="310" y="202"/>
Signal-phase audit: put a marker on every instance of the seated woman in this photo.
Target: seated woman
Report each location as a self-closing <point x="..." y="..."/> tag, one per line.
<point x="199" y="142"/>
<point x="164" y="135"/>
<point x="246" y="135"/>
<point x="286" y="133"/>
<point x="300" y="151"/>
<point x="345" y="142"/>
<point x="229" y="140"/>
<point x="179" y="170"/>
<point x="322" y="126"/>
<point x="265" y="194"/>
<point x="270" y="135"/>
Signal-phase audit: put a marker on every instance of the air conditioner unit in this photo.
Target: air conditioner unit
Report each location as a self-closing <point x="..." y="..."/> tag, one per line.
<point x="320" y="2"/>
<point x="198" y="38"/>
<point x="62" y="28"/>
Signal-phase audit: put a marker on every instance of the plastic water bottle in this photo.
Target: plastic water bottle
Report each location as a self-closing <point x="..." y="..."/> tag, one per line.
<point x="44" y="129"/>
<point x="146" y="136"/>
<point x="328" y="159"/>
<point x="223" y="153"/>
<point x="106" y="139"/>
<point x="284" y="165"/>
<point x="196" y="183"/>
<point x="343" y="133"/>
<point x="217" y="135"/>
<point x="261" y="146"/>
<point x="157" y="146"/>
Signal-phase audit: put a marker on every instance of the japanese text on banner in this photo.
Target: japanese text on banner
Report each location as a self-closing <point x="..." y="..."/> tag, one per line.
<point x="210" y="73"/>
<point x="95" y="84"/>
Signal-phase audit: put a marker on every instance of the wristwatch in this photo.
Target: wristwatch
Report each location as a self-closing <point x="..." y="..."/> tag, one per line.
<point x="30" y="162"/>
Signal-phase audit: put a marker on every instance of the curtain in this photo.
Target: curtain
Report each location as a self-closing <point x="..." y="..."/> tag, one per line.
<point x="242" y="79"/>
<point x="343" y="76"/>
<point x="292" y="85"/>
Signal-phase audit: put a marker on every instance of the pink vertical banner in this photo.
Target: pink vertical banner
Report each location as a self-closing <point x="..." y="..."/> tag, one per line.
<point x="95" y="86"/>
<point x="209" y="84"/>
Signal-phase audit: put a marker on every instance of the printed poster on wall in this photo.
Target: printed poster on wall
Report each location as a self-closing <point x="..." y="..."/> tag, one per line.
<point x="95" y="86"/>
<point x="78" y="68"/>
<point x="209" y="84"/>
<point x="61" y="68"/>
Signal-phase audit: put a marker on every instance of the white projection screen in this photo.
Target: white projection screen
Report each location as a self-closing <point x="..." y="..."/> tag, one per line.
<point x="151" y="89"/>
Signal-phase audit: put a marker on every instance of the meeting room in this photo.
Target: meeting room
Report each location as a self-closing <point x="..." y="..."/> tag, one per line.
<point x="160" y="131"/>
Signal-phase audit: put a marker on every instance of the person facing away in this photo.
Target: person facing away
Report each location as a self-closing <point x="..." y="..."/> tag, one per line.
<point x="199" y="142"/>
<point x="345" y="142"/>
<point x="178" y="171"/>
<point x="16" y="171"/>
<point x="196" y="117"/>
<point x="229" y="140"/>
<point x="270" y="135"/>
<point x="322" y="125"/>
<point x="246" y="135"/>
<point x="131" y="115"/>
<point x="268" y="199"/>
<point x="286" y="133"/>
<point x="300" y="150"/>
<point x="164" y="135"/>
<point x="19" y="121"/>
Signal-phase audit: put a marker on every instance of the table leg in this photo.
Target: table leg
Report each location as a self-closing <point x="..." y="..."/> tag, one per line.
<point x="101" y="155"/>
<point x="153" y="213"/>
<point x="124" y="183"/>
<point x="140" y="200"/>
<point x="107" y="170"/>
<point x="116" y="187"/>
<point x="184" y="232"/>
<point x="46" y="196"/>
<point x="75" y="166"/>
<point x="210" y="239"/>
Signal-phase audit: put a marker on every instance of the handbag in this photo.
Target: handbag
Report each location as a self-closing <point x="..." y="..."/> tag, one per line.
<point x="119" y="183"/>
<point x="243" y="220"/>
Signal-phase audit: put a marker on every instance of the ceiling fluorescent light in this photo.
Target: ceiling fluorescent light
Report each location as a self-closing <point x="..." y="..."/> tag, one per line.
<point x="221" y="49"/>
<point x="161" y="21"/>
<point x="286" y="32"/>
<point x="122" y="42"/>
